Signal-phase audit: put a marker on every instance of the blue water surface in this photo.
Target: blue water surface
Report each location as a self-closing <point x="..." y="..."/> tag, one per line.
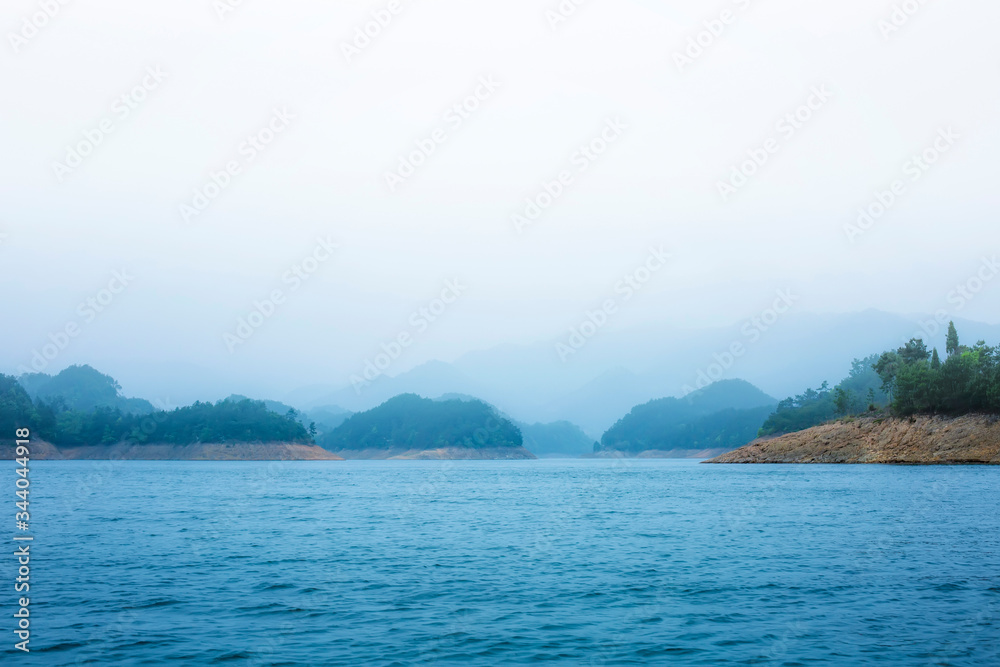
<point x="578" y="562"/>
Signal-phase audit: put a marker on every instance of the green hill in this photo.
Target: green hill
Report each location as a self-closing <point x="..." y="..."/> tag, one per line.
<point x="50" y="418"/>
<point x="274" y="406"/>
<point x="317" y="420"/>
<point x="411" y="422"/>
<point x="16" y="408"/>
<point x="552" y="439"/>
<point x="82" y="388"/>
<point x="723" y="415"/>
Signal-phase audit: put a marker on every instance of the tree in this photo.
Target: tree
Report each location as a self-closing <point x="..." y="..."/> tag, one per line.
<point x="842" y="400"/>
<point x="887" y="367"/>
<point x="409" y="421"/>
<point x="16" y="409"/>
<point x="82" y="388"/>
<point x="914" y="350"/>
<point x="914" y="380"/>
<point x="915" y="388"/>
<point x="952" y="344"/>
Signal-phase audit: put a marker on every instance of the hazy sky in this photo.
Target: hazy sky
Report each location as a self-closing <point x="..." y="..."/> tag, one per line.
<point x="310" y="127"/>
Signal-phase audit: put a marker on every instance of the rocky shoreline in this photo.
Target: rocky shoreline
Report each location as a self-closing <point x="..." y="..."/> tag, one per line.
<point x="236" y="451"/>
<point x="249" y="451"/>
<point x="919" y="440"/>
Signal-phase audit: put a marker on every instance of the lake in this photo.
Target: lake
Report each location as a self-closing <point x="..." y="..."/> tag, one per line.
<point x="578" y="562"/>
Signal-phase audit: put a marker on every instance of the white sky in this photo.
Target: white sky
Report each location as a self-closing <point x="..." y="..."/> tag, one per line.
<point x="324" y="175"/>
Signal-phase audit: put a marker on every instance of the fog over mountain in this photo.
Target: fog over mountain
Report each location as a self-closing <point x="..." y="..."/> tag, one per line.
<point x="614" y="372"/>
<point x="572" y="217"/>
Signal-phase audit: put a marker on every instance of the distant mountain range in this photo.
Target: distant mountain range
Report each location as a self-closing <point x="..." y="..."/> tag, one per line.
<point x="405" y="425"/>
<point x="616" y="370"/>
<point x="620" y="369"/>
<point x="562" y="409"/>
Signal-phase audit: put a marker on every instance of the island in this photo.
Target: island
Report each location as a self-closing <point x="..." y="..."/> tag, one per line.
<point x="706" y="422"/>
<point x="411" y="427"/>
<point x="906" y="406"/>
<point x="80" y="414"/>
<point x="921" y="439"/>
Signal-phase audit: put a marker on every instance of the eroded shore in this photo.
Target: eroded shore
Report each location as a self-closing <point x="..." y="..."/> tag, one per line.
<point x="920" y="440"/>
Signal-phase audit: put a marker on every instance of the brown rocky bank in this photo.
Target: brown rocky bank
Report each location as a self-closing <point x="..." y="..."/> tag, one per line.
<point x="920" y="440"/>
<point x="236" y="451"/>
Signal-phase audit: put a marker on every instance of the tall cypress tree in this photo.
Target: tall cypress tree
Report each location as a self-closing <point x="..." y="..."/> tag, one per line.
<point x="952" y="345"/>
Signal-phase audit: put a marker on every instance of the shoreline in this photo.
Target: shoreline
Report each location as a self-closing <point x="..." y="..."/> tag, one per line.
<point x="234" y="451"/>
<point x="972" y="439"/>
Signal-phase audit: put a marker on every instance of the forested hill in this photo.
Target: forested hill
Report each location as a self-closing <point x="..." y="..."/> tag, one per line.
<point x="859" y="392"/>
<point x="907" y="381"/>
<point x="222" y="422"/>
<point x="725" y="414"/>
<point x="552" y="439"/>
<point x="411" y="422"/>
<point x="320" y="419"/>
<point x="82" y="388"/>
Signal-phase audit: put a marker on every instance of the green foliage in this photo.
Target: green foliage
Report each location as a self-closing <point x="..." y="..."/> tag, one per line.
<point x="225" y="421"/>
<point x="842" y="400"/>
<point x="33" y="382"/>
<point x="723" y="414"/>
<point x="968" y="380"/>
<point x="726" y="395"/>
<point x="728" y="429"/>
<point x="800" y="412"/>
<point x="886" y="368"/>
<point x="273" y="406"/>
<point x="411" y="422"/>
<point x="82" y="388"/>
<point x="909" y="380"/>
<point x="104" y="426"/>
<point x="951" y="346"/>
<point x="16" y="408"/>
<point x="859" y="392"/>
<point x="863" y="385"/>
<point x="317" y="420"/>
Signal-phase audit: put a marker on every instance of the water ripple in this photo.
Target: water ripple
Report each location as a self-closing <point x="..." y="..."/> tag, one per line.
<point x="510" y="562"/>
